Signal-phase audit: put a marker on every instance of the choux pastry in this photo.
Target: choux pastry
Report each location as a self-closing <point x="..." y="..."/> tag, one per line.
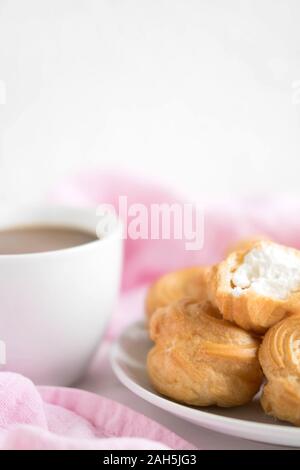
<point x="201" y="359"/>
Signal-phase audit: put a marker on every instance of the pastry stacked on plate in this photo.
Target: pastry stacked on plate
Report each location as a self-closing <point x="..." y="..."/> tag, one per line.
<point x="221" y="331"/>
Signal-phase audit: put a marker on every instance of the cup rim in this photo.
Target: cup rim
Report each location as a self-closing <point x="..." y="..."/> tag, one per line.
<point x="57" y="209"/>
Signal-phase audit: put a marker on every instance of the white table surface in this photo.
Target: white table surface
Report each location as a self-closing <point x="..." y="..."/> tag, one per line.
<point x="101" y="379"/>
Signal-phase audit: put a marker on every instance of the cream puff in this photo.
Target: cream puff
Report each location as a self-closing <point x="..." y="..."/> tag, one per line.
<point x="200" y="359"/>
<point x="258" y="286"/>
<point x="279" y="357"/>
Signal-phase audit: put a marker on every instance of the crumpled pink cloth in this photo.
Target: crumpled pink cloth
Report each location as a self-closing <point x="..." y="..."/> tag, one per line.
<point x="51" y="418"/>
<point x="58" y="418"/>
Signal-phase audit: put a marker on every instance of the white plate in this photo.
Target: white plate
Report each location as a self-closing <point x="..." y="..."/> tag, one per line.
<point x="129" y="364"/>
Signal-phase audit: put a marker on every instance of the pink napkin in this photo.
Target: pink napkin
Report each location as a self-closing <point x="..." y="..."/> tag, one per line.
<point x="61" y="418"/>
<point x="56" y="418"/>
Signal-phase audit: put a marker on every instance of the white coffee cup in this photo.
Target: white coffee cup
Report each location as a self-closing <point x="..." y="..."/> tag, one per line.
<point x="54" y="306"/>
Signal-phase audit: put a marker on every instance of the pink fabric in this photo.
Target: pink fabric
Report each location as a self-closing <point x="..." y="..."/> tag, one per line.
<point x="225" y="221"/>
<point x="61" y="418"/>
<point x="54" y="418"/>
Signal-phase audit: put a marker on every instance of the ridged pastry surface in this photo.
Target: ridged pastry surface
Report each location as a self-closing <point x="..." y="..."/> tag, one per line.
<point x="201" y="359"/>
<point x="279" y="356"/>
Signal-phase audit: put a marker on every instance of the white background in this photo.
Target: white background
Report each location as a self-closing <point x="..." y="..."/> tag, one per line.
<point x="197" y="93"/>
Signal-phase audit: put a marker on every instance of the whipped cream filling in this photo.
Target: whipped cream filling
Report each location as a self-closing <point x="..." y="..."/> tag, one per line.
<point x="270" y="270"/>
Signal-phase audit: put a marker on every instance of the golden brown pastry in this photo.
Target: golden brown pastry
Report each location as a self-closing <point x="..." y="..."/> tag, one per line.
<point x="258" y="286"/>
<point x="279" y="356"/>
<point x="201" y="359"/>
<point x="188" y="282"/>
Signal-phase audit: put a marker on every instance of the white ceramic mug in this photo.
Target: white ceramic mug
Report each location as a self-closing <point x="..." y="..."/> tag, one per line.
<point x="54" y="306"/>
